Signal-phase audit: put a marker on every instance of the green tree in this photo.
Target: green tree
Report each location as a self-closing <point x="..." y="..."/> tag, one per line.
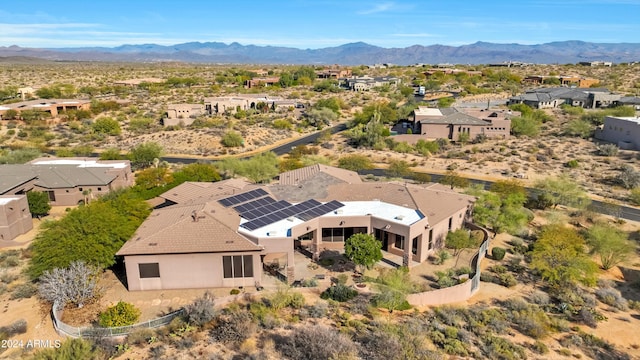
<point x="107" y="126"/>
<point x="512" y="191"/>
<point x="320" y="117"/>
<point x="95" y="232"/>
<point x="634" y="196"/>
<point x="563" y="190"/>
<point x="232" y="139"/>
<point x="38" y="203"/>
<point x="398" y="168"/>
<point x="197" y="172"/>
<point x="121" y="314"/>
<point x="453" y="179"/>
<point x="355" y="162"/>
<point x="579" y="128"/>
<point x="459" y="240"/>
<point x="524" y="126"/>
<point x="111" y="154"/>
<point x="363" y="249"/>
<point x="560" y="256"/>
<point x="142" y="156"/>
<point x="10" y="115"/>
<point x="382" y="111"/>
<point x="153" y="177"/>
<point x="611" y="244"/>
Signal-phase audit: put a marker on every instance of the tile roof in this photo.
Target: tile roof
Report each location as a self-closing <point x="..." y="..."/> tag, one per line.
<point x="202" y="192"/>
<point x="53" y="176"/>
<point x="12" y="176"/>
<point x="296" y="176"/>
<point x="187" y="229"/>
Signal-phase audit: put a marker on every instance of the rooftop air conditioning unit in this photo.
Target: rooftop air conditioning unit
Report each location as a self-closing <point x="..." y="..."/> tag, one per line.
<point x="399" y="217"/>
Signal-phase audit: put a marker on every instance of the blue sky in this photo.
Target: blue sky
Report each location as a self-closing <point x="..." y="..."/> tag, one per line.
<point x="315" y="24"/>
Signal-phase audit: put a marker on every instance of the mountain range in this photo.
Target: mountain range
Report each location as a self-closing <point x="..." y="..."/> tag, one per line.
<point x="358" y="53"/>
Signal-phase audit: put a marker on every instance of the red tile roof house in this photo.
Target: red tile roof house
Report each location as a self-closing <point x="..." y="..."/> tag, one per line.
<point x="66" y="180"/>
<point x="221" y="234"/>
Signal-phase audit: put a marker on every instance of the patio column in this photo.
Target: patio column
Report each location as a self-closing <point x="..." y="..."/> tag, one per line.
<point x="406" y="257"/>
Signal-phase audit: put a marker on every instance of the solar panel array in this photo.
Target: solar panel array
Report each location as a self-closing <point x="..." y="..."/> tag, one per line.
<point x="244" y="197"/>
<point x="305" y="210"/>
<point x="320" y="210"/>
<point x="280" y="214"/>
<point x="264" y="210"/>
<point x="254" y="204"/>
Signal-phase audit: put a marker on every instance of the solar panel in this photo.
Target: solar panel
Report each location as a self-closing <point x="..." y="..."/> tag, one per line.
<point x="264" y="210"/>
<point x="240" y="198"/>
<point x="320" y="210"/>
<point x="278" y="215"/>
<point x="254" y="204"/>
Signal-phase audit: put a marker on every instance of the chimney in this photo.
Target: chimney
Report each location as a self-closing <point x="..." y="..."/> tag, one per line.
<point x="194" y="216"/>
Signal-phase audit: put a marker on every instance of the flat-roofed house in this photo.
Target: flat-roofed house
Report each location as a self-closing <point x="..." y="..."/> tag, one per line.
<point x="51" y="106"/>
<point x="15" y="218"/>
<point x="222" y="234"/>
<point x="622" y="131"/>
<point x="185" y="113"/>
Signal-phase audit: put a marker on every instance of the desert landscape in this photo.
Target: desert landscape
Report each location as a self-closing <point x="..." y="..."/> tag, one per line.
<point x="517" y="313"/>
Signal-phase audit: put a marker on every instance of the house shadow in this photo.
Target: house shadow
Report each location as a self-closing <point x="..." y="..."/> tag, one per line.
<point x="120" y="271"/>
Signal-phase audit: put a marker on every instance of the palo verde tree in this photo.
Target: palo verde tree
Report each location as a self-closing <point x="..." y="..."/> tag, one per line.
<point x="459" y="240"/>
<point x="363" y="249"/>
<point x="562" y="190"/>
<point x="560" y="256"/>
<point x="454" y="180"/>
<point x="142" y="156"/>
<point x="611" y="244"/>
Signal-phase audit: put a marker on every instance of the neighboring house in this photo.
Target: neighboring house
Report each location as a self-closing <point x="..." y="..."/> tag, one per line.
<point x="15" y="218"/>
<point x="231" y="104"/>
<point x="223" y="234"/>
<point x="449" y="123"/>
<point x="596" y="63"/>
<point x="548" y="98"/>
<point x="366" y="83"/>
<point x="67" y="181"/>
<point x="26" y="92"/>
<point x="185" y="113"/>
<point x="622" y="131"/>
<point x="51" y="106"/>
<point x="564" y="80"/>
<point x="261" y="81"/>
<point x="633" y="101"/>
<point x="334" y="72"/>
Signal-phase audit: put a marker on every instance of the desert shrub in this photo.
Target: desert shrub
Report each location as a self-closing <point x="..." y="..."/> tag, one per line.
<point x="539" y="298"/>
<point x="612" y="297"/>
<point x="18" y="327"/>
<point x="234" y="292"/>
<point x="234" y="328"/>
<point x="7" y="277"/>
<point x="24" y="291"/>
<point x="446" y="278"/>
<point x="441" y="257"/>
<point x="463" y="270"/>
<point x="140" y="337"/>
<point x="507" y="280"/>
<point x="3" y="288"/>
<point x="498" y="269"/>
<point x="633" y="305"/>
<point x="539" y="348"/>
<point x="284" y="298"/>
<point x="311" y="343"/>
<point x="572" y="164"/>
<point x="587" y="317"/>
<point x="318" y="310"/>
<point x="282" y="124"/>
<point x="201" y="310"/>
<point x="266" y="316"/>
<point x="498" y="253"/>
<point x="232" y="139"/>
<point x="500" y="348"/>
<point x="530" y="320"/>
<point x="381" y="346"/>
<point x="69" y="349"/>
<point x="11" y="261"/>
<point x="157" y="352"/>
<point x="312" y="282"/>
<point x="608" y="150"/>
<point x="122" y="314"/>
<point x="339" y="292"/>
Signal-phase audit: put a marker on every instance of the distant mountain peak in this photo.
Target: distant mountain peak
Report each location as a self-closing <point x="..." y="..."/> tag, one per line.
<point x="355" y="53"/>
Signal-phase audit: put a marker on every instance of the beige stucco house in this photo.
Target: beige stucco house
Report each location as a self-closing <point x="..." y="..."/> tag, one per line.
<point x="51" y="106"/>
<point x="449" y="123"/>
<point x="15" y="218"/>
<point x="222" y="234"/>
<point x="67" y="181"/>
<point x="622" y="131"/>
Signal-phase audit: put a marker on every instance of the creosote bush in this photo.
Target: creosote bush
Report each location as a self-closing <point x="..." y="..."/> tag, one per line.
<point x="339" y="292"/>
<point x="317" y="343"/>
<point x="498" y="253"/>
<point x="201" y="310"/>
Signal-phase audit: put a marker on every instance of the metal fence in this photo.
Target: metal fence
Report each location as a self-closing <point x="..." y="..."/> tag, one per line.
<point x="84" y="332"/>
